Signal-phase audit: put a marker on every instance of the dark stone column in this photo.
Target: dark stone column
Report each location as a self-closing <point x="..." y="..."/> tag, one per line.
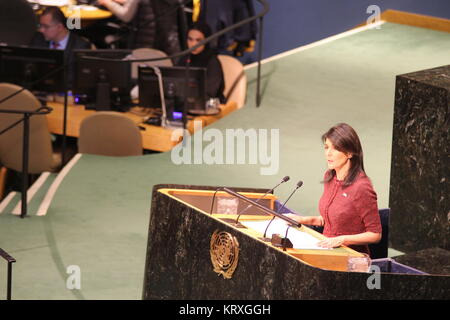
<point x="420" y="167"/>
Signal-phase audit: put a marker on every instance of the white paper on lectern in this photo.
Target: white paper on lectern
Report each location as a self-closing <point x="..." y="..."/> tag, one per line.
<point x="299" y="239"/>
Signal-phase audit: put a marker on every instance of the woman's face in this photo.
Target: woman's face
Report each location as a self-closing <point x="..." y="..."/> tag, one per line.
<point x="336" y="159"/>
<point x="194" y="37"/>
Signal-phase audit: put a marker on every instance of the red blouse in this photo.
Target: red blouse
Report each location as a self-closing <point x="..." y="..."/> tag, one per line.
<point x="350" y="210"/>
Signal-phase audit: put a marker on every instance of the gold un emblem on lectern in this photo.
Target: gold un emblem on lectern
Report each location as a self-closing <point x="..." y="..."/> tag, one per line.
<point x="224" y="251"/>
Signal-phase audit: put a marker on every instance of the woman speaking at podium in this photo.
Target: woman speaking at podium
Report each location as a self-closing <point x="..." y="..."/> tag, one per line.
<point x="348" y="206"/>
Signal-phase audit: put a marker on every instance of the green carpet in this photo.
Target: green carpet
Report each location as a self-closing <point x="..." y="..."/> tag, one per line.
<point x="99" y="217"/>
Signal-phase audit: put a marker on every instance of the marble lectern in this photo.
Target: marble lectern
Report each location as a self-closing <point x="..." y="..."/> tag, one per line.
<point x="196" y="251"/>
<point x="420" y="165"/>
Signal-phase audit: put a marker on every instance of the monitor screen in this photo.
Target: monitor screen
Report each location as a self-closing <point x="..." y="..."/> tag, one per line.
<point x="105" y="84"/>
<point x="25" y="66"/>
<point x="174" y="85"/>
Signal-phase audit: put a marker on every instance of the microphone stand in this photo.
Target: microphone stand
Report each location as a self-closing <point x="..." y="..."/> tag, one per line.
<point x="214" y="197"/>
<point x="264" y="238"/>
<point x="157" y="71"/>
<point x="285" y="179"/>
<point x="285" y="240"/>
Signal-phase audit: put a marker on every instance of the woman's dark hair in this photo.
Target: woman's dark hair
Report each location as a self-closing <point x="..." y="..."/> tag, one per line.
<point x="203" y="27"/>
<point x="57" y="15"/>
<point x="344" y="139"/>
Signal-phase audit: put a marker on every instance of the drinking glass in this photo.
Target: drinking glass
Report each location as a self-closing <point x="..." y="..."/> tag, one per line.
<point x="359" y="264"/>
<point x="212" y="105"/>
<point x="227" y="205"/>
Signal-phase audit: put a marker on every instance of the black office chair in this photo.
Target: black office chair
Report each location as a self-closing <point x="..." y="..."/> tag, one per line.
<point x="380" y="249"/>
<point x="18" y="22"/>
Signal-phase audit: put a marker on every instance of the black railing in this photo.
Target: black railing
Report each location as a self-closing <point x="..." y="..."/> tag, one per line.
<point x="10" y="261"/>
<point x="25" y="146"/>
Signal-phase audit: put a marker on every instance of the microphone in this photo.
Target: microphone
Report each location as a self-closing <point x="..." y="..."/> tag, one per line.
<point x="285" y="179"/>
<point x="299" y="184"/>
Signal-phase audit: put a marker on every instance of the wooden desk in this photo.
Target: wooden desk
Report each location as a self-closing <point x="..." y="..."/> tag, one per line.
<point x="86" y="12"/>
<point x="153" y="137"/>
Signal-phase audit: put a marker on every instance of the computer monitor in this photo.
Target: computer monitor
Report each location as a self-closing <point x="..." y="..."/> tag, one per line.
<point x="25" y="66"/>
<point x="102" y="84"/>
<point x="174" y="85"/>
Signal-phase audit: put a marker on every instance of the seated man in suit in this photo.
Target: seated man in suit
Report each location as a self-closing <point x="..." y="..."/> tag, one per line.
<point x="53" y="33"/>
